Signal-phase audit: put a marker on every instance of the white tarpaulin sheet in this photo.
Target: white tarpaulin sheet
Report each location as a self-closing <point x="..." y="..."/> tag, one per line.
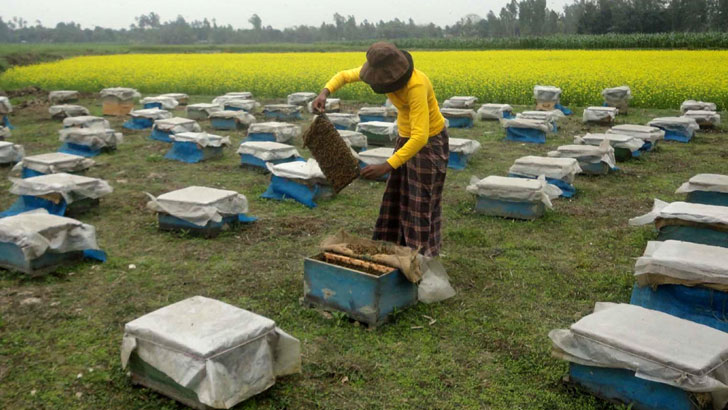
<point x="600" y="114"/>
<point x="705" y="182"/>
<point x="283" y="108"/>
<point x="199" y="205"/>
<point x="656" y="346"/>
<point x="332" y="104"/>
<point x="37" y="232"/>
<point x="615" y="140"/>
<point x="95" y="138"/>
<point x="493" y="111"/>
<point x="587" y="154"/>
<point x="342" y="119"/>
<point x="176" y="125"/>
<point x="240" y="95"/>
<point x="55" y="162"/>
<point x="207" y="108"/>
<point x="202" y="139"/>
<point x="5" y="132"/>
<point x="268" y="151"/>
<point x="617" y="94"/>
<point x="86" y="121"/>
<point x="180" y="97"/>
<point x="379" y="128"/>
<point x="685" y="211"/>
<point x="168" y="103"/>
<point x="692" y="105"/>
<point x="515" y="189"/>
<point x="376" y="156"/>
<point x="241" y="103"/>
<point x="564" y="169"/>
<point x="120" y="93"/>
<point x="378" y="111"/>
<point x="683" y="263"/>
<point x="679" y="124"/>
<point x="241" y="117"/>
<point x="643" y="132"/>
<point x="10" y="153"/>
<point x="5" y="106"/>
<point x="463" y="145"/>
<point x="282" y="131"/>
<point x="67" y="110"/>
<point x="547" y="93"/>
<point x="151" y="113"/>
<point x="550" y="116"/>
<point x="61" y="96"/>
<point x="458" y="113"/>
<point x="71" y="187"/>
<point x="223" y="353"/>
<point x="540" y="125"/>
<point x="307" y="171"/>
<point x="354" y="139"/>
<point x="704" y="117"/>
<point x="460" y="102"/>
<point x="301" y="98"/>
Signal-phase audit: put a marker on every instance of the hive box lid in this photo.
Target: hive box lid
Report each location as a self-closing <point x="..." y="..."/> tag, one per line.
<point x="196" y="195"/>
<point x="52" y="158"/>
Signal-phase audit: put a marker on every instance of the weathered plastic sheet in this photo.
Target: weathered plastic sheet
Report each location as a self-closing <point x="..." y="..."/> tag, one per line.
<point x="301" y="98"/>
<point x="493" y="111"/>
<point x="282" y="131"/>
<point x="617" y="94"/>
<point x="515" y="189"/>
<point x="540" y="125"/>
<point x="692" y="105"/>
<point x="464" y="145"/>
<point x="683" y="263"/>
<point x="176" y="125"/>
<point x="458" y="113"/>
<point x="283" y="108"/>
<point x="5" y="132"/>
<point x="564" y="169"/>
<point x="460" y="101"/>
<point x="382" y="111"/>
<point x="267" y="150"/>
<point x="355" y="139"/>
<point x="241" y="103"/>
<point x="705" y="182"/>
<point x="587" y="154"/>
<point x="180" y="97"/>
<point x="10" y="153"/>
<point x="704" y="117"/>
<point x="550" y="116"/>
<point x="96" y="138"/>
<point x="656" y="346"/>
<point x="547" y="93"/>
<point x="599" y="114"/>
<point x="690" y="212"/>
<point x="55" y="162"/>
<point x="67" y="110"/>
<point x="207" y="108"/>
<point x="332" y="104"/>
<point x="121" y="93"/>
<point x="615" y="140"/>
<point x="379" y="128"/>
<point x="168" y="103"/>
<point x="71" y="187"/>
<point x="241" y="117"/>
<point x="61" y="96"/>
<point x="241" y="95"/>
<point x="199" y="205"/>
<point x="376" y="156"/>
<point x="151" y="113"/>
<point x="343" y="119"/>
<point x="223" y="353"/>
<point x="202" y="139"/>
<point x="643" y="132"/>
<point x="308" y="171"/>
<point x="86" y="121"/>
<point x="680" y="124"/>
<point x="5" y="106"/>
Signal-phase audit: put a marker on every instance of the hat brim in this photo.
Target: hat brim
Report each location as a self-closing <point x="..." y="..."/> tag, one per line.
<point x="399" y="82"/>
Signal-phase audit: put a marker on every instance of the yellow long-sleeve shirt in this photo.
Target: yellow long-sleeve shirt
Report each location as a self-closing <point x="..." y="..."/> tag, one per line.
<point x="418" y="116"/>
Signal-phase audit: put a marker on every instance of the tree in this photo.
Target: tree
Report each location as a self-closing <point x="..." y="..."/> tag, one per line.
<point x="256" y="21"/>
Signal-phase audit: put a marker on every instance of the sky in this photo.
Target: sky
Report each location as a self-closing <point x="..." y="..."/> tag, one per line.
<point x="276" y="13"/>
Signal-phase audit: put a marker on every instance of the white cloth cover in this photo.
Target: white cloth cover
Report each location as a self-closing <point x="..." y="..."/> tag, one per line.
<point x="61" y="96"/>
<point x="151" y="113"/>
<point x="617" y="94"/>
<point x="379" y="128"/>
<point x="5" y="132"/>
<point x="95" y="138"/>
<point x="656" y="346"/>
<point x="382" y="111"/>
<point x="283" y="108"/>
<point x="354" y="139"/>
<point x="564" y="169"/>
<point x="615" y="140"/>
<point x="680" y="124"/>
<point x="242" y="103"/>
<point x="268" y="151"/>
<point x="202" y="139"/>
<point x="282" y="131"/>
<point x="67" y="110"/>
<point x="332" y="104"/>
<point x="543" y="126"/>
<point x="55" y="162"/>
<point x="223" y="353"/>
<point x="309" y="170"/>
<point x="199" y="205"/>
<point x="547" y="93"/>
<point x="71" y="187"/>
<point x="301" y="98"/>
<point x="242" y="95"/>
<point x="692" y="105"/>
<point x="682" y="263"/>
<point x="376" y="156"/>
<point x="587" y="154"/>
<point x="705" y="182"/>
<point x="168" y="103"/>
<point x="599" y="114"/>
<point x="643" y="132"/>
<point x="120" y="93"/>
<point x="689" y="212"/>
<point x="37" y="232"/>
<point x="241" y="117"/>
<point x="463" y="145"/>
<point x="458" y="112"/>
<point x="10" y="153"/>
<point x="207" y="108"/>
<point x="177" y="96"/>
<point x="5" y="106"/>
<point x="493" y="111"/>
<point x="176" y="125"/>
<point x="515" y="189"/>
<point x="86" y="121"/>
<point x="342" y="119"/>
<point x="460" y="102"/>
<point x="550" y="116"/>
<point x="704" y="117"/>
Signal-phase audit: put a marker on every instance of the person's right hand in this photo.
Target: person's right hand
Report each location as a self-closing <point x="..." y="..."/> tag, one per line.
<point x="319" y="104"/>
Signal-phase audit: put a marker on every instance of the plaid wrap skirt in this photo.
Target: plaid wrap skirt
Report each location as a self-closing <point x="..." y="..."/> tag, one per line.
<point x="411" y="211"/>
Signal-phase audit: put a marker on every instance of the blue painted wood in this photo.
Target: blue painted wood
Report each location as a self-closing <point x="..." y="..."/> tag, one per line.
<point x="598" y="168"/>
<point x="696" y="304"/>
<point x="190" y="152"/>
<point x="527" y="135"/>
<point x="227" y="124"/>
<point x="459" y="122"/>
<point x="82" y="150"/>
<point x="703" y="235"/>
<point x="364" y="297"/>
<point x="509" y="209"/>
<point x="153" y="105"/>
<point x="708" y="198"/>
<point x="260" y="136"/>
<point x="12" y="258"/>
<point x="229" y="108"/>
<point x="679" y="136"/>
<point x="162" y="136"/>
<point x="457" y="161"/>
<point x="168" y="222"/>
<point x="621" y="386"/>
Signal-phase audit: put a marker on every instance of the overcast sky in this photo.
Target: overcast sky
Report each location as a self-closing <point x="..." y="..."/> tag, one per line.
<point x="276" y="13"/>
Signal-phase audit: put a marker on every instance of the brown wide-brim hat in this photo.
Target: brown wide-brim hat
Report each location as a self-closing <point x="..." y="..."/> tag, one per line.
<point x="386" y="67"/>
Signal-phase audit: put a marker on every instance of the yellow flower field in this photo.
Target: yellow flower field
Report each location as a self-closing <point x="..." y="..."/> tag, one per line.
<point x="659" y="79"/>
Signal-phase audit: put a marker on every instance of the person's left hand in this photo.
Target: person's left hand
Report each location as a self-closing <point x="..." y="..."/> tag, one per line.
<point x="376" y="171"/>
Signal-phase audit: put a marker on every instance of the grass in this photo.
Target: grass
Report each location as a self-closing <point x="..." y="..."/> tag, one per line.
<point x="488" y="348"/>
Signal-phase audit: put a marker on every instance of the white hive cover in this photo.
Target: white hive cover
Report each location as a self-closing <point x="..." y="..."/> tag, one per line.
<point x="176" y="96"/>
<point x="541" y="125"/>
<point x="93" y="137"/>
<point x="168" y="103"/>
<point x="615" y="140"/>
<point x="209" y="108"/>
<point x="378" y="127"/>
<point x="68" y="110"/>
<point x="223" y="353"/>
<point x="557" y="168"/>
<point x="71" y="187"/>
<point x="151" y="113"/>
<point x="284" y="108"/>
<point x="709" y="117"/>
<point x="690" y="105"/>
<point x="10" y="153"/>
<point x="282" y="131"/>
<point x="587" y="154"/>
<point x="617" y="94"/>
<point x="705" y="182"/>
<point x="267" y="150"/>
<point x="599" y="113"/>
<point x="675" y="123"/>
<point x="546" y="93"/>
<point x="684" y="211"/>
<point x="343" y="119"/>
<point x="460" y="101"/>
<point x="463" y="145"/>
<point x="514" y="189"/>
<point x="177" y="124"/>
<point x="656" y="346"/>
<point x="683" y="263"/>
<point x="643" y="132"/>
<point x="122" y="93"/>
<point x="5" y="106"/>
<point x="202" y="139"/>
<point x="493" y="111"/>
<point x="379" y="111"/>
<point x="355" y="139"/>
<point x="62" y="95"/>
<point x="37" y="232"/>
<point x="301" y="98"/>
<point x="54" y="162"/>
<point x="243" y="104"/>
<point x="241" y="116"/>
<point x="199" y="205"/>
<point x="376" y="156"/>
<point x="308" y="170"/>
<point x="458" y="112"/>
<point x="86" y="121"/>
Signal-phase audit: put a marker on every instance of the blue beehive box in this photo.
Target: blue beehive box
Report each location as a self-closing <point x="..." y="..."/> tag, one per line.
<point x="88" y="142"/>
<point x="689" y="222"/>
<point x="256" y="154"/>
<point x="382" y="114"/>
<point x="301" y="181"/>
<point x="343" y="121"/>
<point x="367" y="297"/>
<point x="378" y="133"/>
<point x="680" y="129"/>
<point x="506" y="197"/>
<point x="273" y="131"/>
<point x="708" y="189"/>
<point x="231" y="120"/>
<point x="193" y="147"/>
<point x="143" y="119"/>
<point x="625" y="147"/>
<point x="559" y="172"/>
<point x="51" y="163"/>
<point x="239" y="104"/>
<point x="593" y="160"/>
<point x="495" y="112"/>
<point x="202" y="111"/>
<point x="459" y="117"/>
<point x="461" y="149"/>
<point x="282" y="112"/>
<point x="526" y="131"/>
<point x="650" y="135"/>
<point x="163" y="129"/>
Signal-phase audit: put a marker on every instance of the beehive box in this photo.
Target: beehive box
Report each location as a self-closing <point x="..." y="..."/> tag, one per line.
<point x="10" y="153"/>
<point x="256" y="154"/>
<point x="378" y="133"/>
<point x="118" y="101"/>
<point x="680" y="129"/>
<point x="461" y="102"/>
<point x="282" y="112"/>
<point x="182" y="98"/>
<point x="63" y="96"/>
<point x="559" y="172"/>
<point x="650" y="135"/>
<point x="600" y="115"/>
<point x="625" y="147"/>
<point x="382" y="114"/>
<point x="202" y="111"/>
<point x="160" y="102"/>
<point x="52" y="163"/>
<point x="240" y="104"/>
<point x="705" y="119"/>
<point x="303" y="182"/>
<point x="273" y="131"/>
<point x="343" y="121"/>
<point x="376" y="156"/>
<point x="459" y="117"/>
<point x="231" y="120"/>
<point x="495" y="112"/>
<point x="165" y="128"/>
<point x="301" y="98"/>
<point x="331" y="105"/>
<point x="688" y="222"/>
<point x="618" y="97"/>
<point x="356" y="140"/>
<point x="59" y="194"/>
<point x="86" y="121"/>
<point x="508" y="197"/>
<point x="593" y="160"/>
<point x="143" y="119"/>
<point x="461" y="149"/>
<point x="527" y="131"/>
<point x="708" y="189"/>
<point x="59" y="112"/>
<point x="89" y="142"/>
<point x="193" y="147"/>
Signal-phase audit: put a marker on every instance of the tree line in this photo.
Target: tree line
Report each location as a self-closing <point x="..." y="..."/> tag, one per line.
<point x="524" y="18"/>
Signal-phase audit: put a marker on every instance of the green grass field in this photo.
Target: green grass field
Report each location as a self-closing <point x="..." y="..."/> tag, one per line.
<point x="487" y="348"/>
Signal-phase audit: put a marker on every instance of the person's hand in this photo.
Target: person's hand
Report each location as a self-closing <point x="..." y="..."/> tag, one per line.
<point x="319" y="103"/>
<point x="376" y="171"/>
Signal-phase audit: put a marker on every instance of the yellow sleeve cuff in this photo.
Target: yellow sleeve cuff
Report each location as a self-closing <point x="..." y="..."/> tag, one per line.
<point x="395" y="162"/>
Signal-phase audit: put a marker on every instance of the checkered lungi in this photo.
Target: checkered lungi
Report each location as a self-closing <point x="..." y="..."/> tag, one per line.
<point x="411" y="209"/>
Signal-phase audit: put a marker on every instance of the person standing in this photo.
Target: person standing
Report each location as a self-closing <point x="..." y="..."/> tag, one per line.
<point x="411" y="209"/>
